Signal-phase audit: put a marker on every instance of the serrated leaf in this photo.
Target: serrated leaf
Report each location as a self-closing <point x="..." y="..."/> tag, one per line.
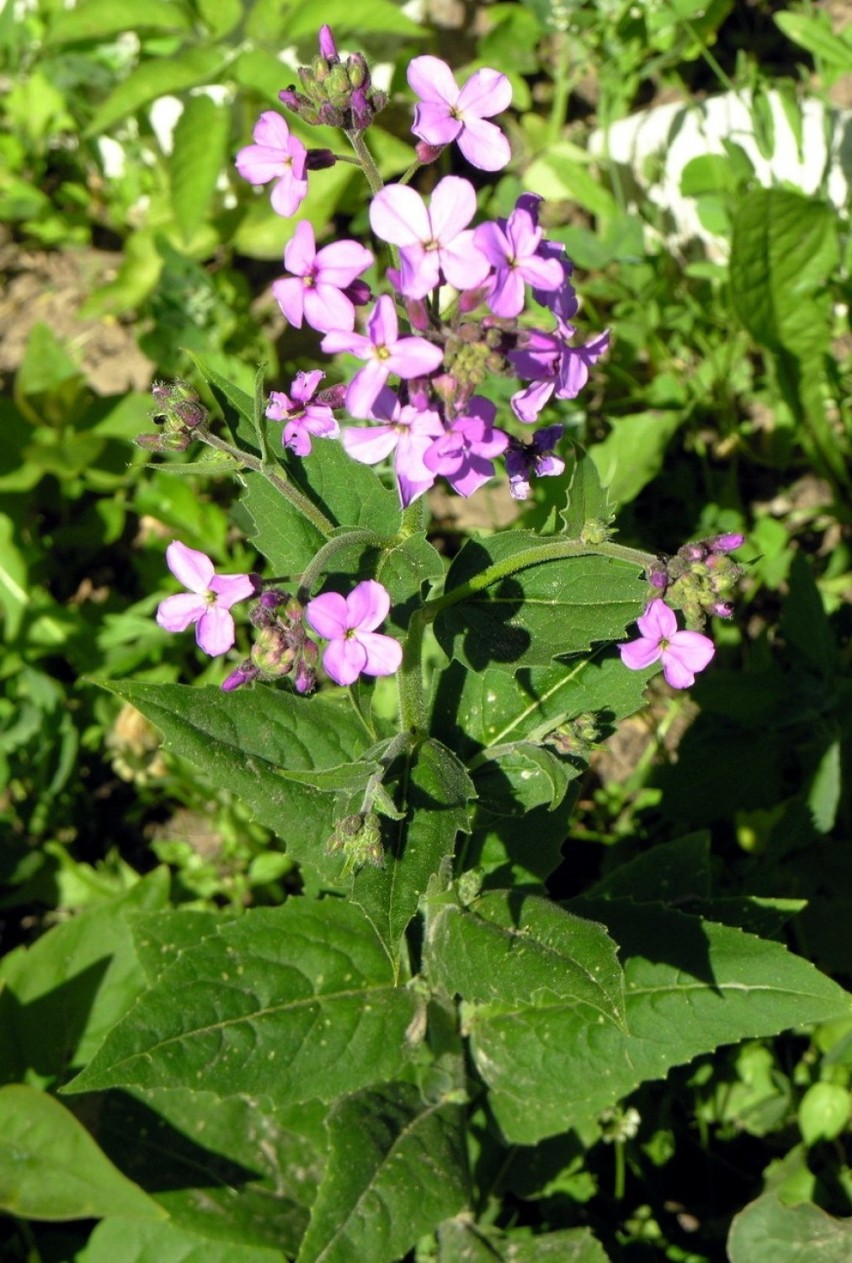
<point x="73" y="984"/>
<point x="512" y="948"/>
<point x="167" y="1243"/>
<point x="264" y="743"/>
<point x="527" y="618"/>
<point x="691" y="985"/>
<point x="199" y="153"/>
<point x="159" y="77"/>
<point x="666" y="873"/>
<point x="397" y="1166"/>
<point x="50" y="1168"/>
<point x="403" y="570"/>
<point x="434" y="792"/>
<point x="294" y="1003"/>
<point x="767" y="1231"/>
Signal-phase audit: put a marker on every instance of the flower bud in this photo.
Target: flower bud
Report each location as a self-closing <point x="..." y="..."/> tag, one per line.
<point x="244" y="674"/>
<point x="428" y="153"/>
<point x="327" y="46"/>
<point x="726" y="543"/>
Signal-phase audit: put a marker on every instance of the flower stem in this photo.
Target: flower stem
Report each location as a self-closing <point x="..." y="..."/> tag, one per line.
<point x="279" y="481"/>
<point x="330" y="549"/>
<point x="365" y="158"/>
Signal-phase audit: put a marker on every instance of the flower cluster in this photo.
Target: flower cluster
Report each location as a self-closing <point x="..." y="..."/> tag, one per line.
<point x="464" y="302"/>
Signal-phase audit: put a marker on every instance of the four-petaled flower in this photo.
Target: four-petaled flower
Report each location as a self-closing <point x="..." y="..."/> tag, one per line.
<point x="432" y="240"/>
<point x="324" y="286"/>
<point x="349" y="624"/>
<point x="464" y="455"/>
<point x="385" y="352"/>
<point x="447" y="112"/>
<point x="405" y="430"/>
<point x="303" y="418"/>
<point x="208" y="601"/>
<point x="276" y="155"/>
<point x="512" y="248"/>
<point x="682" y="653"/>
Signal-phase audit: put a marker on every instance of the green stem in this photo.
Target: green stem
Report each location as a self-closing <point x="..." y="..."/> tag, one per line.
<point x="561" y="87"/>
<point x="365" y="158"/>
<point x="299" y="501"/>
<point x="618" y="1191"/>
<point x="330" y="549"/>
<point x="412" y="702"/>
<point x="552" y="550"/>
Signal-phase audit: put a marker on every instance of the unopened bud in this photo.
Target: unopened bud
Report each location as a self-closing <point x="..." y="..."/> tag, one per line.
<point x="319" y="159"/>
<point x="327" y="46"/>
<point x="427" y="153"/>
<point x="244" y="674"/>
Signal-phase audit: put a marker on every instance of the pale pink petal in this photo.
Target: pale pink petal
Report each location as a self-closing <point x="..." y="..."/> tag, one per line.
<point x="191" y="568"/>
<point x="368" y="605"/>
<point x="272" y="130"/>
<point x="365" y="386"/>
<point x="451" y="207"/>
<point x="344" y="660"/>
<point x="328" y="615"/>
<point x="230" y="588"/>
<point x="176" y="613"/>
<point x="289" y="293"/>
<point x="414" y="357"/>
<point x="384" y="654"/>
<point x="341" y="262"/>
<point x="484" y="145"/>
<point x="432" y="80"/>
<point x="486" y="92"/>
<point x="639" y="654"/>
<point x="370" y="444"/>
<point x="300" y="251"/>
<point x="659" y="622"/>
<point x="398" y="214"/>
<point x="435" y="125"/>
<point x="288" y="195"/>
<point x="326" y="308"/>
<point x="215" y="631"/>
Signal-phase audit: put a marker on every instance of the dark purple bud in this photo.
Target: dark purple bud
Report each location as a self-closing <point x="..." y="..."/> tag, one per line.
<point x="273" y="597"/>
<point x="358" y="293"/>
<point x="243" y="675"/>
<point x="292" y="99"/>
<point x="418" y="314"/>
<point x="327" y="46"/>
<point x="472" y="298"/>
<point x="151" y="442"/>
<point x="427" y="153"/>
<point x="692" y="552"/>
<point x="362" y="114"/>
<point x="330" y="115"/>
<point x="658" y="578"/>
<point x="191" y="412"/>
<point x="319" y="159"/>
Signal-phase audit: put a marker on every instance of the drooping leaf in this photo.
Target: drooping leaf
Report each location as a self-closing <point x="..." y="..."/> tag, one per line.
<point x="50" y="1168"/>
<point x="691" y="985"/>
<point x="293" y="1003"/>
<point x="588" y="496"/>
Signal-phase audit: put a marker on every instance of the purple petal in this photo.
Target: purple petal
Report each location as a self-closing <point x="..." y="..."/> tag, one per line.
<point x="368" y="605"/>
<point x="528" y="403"/>
<point x="486" y="92"/>
<point x="289" y="292"/>
<point x="659" y="622"/>
<point x="328" y="615"/>
<point x="435" y="125"/>
<point x="384" y="654"/>
<point x="288" y="195"/>
<point x="344" y="660"/>
<point x="363" y="390"/>
<point x="451" y="208"/>
<point x="215" y="632"/>
<point x="326" y="308"/>
<point x="341" y="340"/>
<point x="414" y="357"/>
<point x="370" y="444"/>
<point x="230" y="588"/>
<point x="398" y="214"/>
<point x="301" y="249"/>
<point x="191" y="568"/>
<point x="175" y="613"/>
<point x="639" y="654"/>
<point x="305" y="385"/>
<point x="484" y="145"/>
<point x="432" y="80"/>
<point x="382" y="323"/>
<point x="341" y="262"/>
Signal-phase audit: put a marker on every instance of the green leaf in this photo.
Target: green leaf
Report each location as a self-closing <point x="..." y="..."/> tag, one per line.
<point x="691" y="985"/>
<point x="350" y="493"/>
<point x="823" y="1112"/>
<point x="588" y="498"/>
<point x="461" y="1241"/>
<point x="226" y="1168"/>
<point x="633" y="452"/>
<point x="397" y="1166"/>
<point x="559" y="176"/>
<point x="286" y="538"/>
<point x="295" y="1003"/>
<point x="784" y="247"/>
<point x="158" y="77"/>
<point x="668" y="872"/>
<point x="825" y="790"/>
<point x="404" y="569"/>
<point x="767" y="1231"/>
<point x="528" y="617"/>
<point x="159" y="938"/>
<point x="50" y="1168"/>
<point x="813" y="31"/>
<point x="435" y="791"/>
<point x="99" y="19"/>
<point x="510" y="948"/>
<point x="73" y="984"/>
<point x="200" y="151"/>
<point x="383" y="16"/>
<point x="165" y="1243"/>
<point x="237" y="406"/>
<point x="265" y="744"/>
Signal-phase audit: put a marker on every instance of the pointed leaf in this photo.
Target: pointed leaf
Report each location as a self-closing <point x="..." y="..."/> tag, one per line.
<point x="155" y="78"/>
<point x="295" y="1002"/>
<point x="396" y="1168"/>
<point x="587" y="500"/>
<point x="200" y="151"/>
<point x="50" y="1168"/>
<point x="284" y="536"/>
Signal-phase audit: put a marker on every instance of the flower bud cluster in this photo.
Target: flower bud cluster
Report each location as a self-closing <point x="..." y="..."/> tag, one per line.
<point x="359" y="838"/>
<point x="577" y="738"/>
<point x="701" y="579"/>
<point x="179" y="411"/>
<point x="335" y="93"/>
<point x="282" y="646"/>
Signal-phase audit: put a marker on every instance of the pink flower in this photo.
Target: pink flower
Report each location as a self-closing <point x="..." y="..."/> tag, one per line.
<point x="349" y="624"/>
<point x="408" y="432"/>
<point x="682" y="653"/>
<point x="208" y="602"/>
<point x="432" y="240"/>
<point x="303" y="418"/>
<point x="276" y="155"/>
<point x="447" y="113"/>
<point x="464" y="454"/>
<point x="323" y="287"/>
<point x="385" y="353"/>
<point x="513" y="250"/>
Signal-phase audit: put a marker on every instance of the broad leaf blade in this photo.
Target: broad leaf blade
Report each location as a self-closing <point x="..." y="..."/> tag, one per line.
<point x="397" y="1167"/>
<point x="767" y="1231"/>
<point x="165" y="1243"/>
<point x="295" y="1003"/>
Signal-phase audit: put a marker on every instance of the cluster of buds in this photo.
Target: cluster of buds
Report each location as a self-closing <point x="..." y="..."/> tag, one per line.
<point x="282" y="646"/>
<point x="359" y="838"/>
<point x="700" y="579"/>
<point x="179" y="411"/>
<point x="577" y="738"/>
<point x="335" y="93"/>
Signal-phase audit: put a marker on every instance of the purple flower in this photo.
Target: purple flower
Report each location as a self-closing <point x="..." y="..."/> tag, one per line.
<point x="385" y="353"/>
<point x="527" y="460"/>
<point x="432" y="240"/>
<point x="447" y="113"/>
<point x="349" y="623"/>
<point x="276" y="155"/>
<point x="513" y="251"/>
<point x="408" y="432"/>
<point x="682" y="653"/>
<point x="464" y="454"/>
<point x="208" y="601"/>
<point x="551" y="364"/>
<point x="323" y="288"/>
<point x="303" y="418"/>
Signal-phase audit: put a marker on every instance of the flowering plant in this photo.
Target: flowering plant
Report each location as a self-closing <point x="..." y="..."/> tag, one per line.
<point x="413" y="724"/>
